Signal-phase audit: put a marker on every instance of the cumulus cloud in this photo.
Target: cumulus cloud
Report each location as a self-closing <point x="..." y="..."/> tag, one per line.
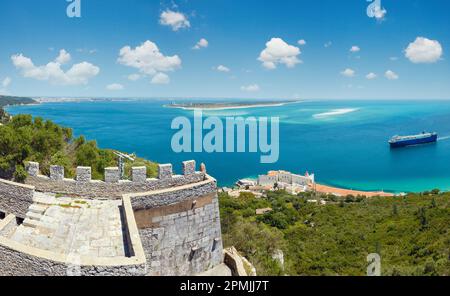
<point x="115" y="86"/>
<point x="52" y="71"/>
<point x="149" y="60"/>
<point x="175" y="20"/>
<point x="328" y="44"/>
<point x="348" y="72"/>
<point x="222" y="68"/>
<point x="424" y="50"/>
<point x="202" y="43"/>
<point x="355" y="49"/>
<point x="391" y="75"/>
<point x="134" y="77"/>
<point x="302" y="42"/>
<point x="6" y="82"/>
<point x="277" y="51"/>
<point x="371" y="76"/>
<point x="250" y="88"/>
<point x="161" y="78"/>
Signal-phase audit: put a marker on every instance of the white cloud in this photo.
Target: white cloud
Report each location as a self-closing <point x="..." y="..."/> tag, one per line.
<point x="203" y="43"/>
<point x="328" y="44"/>
<point x="64" y="57"/>
<point x="149" y="60"/>
<point x="250" y="88"/>
<point x="348" y="72"/>
<point x="134" y="77"/>
<point x="355" y="49"/>
<point x="6" y="82"/>
<point x="52" y="72"/>
<point x="424" y="50"/>
<point x="302" y="42"/>
<point x="85" y="50"/>
<point x="279" y="52"/>
<point x="222" y="68"/>
<point x="176" y="20"/>
<point x="393" y="59"/>
<point x="391" y="75"/>
<point x="115" y="86"/>
<point x="371" y="76"/>
<point x="161" y="78"/>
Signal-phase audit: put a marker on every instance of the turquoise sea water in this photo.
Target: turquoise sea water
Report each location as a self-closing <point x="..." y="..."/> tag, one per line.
<point x="343" y="142"/>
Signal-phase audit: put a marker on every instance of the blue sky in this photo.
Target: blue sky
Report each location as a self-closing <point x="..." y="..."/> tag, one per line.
<point x="405" y="47"/>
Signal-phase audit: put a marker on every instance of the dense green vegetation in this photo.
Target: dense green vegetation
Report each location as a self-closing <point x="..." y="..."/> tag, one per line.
<point x="23" y="139"/>
<point x="410" y="233"/>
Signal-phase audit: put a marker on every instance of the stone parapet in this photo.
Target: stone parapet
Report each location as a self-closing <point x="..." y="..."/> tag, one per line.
<point x="112" y="187"/>
<point x="15" y="198"/>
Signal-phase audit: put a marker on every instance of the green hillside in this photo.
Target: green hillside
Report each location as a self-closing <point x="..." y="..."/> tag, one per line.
<point x="411" y="233"/>
<point x="9" y="100"/>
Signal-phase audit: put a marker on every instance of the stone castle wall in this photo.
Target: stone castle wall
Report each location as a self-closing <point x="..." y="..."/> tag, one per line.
<point x="112" y="187"/>
<point x="15" y="198"/>
<point x="173" y="222"/>
<point x="17" y="259"/>
<point x="180" y="229"/>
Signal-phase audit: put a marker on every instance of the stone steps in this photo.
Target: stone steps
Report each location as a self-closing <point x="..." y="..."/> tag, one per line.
<point x="31" y="223"/>
<point x="37" y="209"/>
<point x="34" y="216"/>
<point x="43" y="200"/>
<point x="39" y="224"/>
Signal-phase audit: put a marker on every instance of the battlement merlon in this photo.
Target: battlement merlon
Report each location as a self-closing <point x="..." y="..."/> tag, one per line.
<point x="112" y="186"/>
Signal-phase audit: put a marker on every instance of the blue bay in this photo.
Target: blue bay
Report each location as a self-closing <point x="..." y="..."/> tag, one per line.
<point x="343" y="142"/>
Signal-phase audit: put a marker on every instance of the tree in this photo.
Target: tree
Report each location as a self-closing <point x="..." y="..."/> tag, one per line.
<point x="423" y="218"/>
<point x="394" y="210"/>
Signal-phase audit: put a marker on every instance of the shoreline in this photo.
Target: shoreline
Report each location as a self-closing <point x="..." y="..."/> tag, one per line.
<point x="231" y="107"/>
<point x="325" y="189"/>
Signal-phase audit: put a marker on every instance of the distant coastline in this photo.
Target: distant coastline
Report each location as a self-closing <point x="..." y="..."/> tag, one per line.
<point x="229" y="106"/>
<point x="6" y="101"/>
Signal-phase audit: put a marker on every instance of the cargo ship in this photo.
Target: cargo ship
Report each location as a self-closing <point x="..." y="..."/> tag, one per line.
<point x="423" y="138"/>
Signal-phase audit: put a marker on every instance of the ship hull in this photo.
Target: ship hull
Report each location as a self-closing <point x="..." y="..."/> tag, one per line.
<point x="412" y="142"/>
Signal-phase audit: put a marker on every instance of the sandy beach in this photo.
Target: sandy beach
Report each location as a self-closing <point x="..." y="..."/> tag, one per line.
<point x="344" y="192"/>
<point x="231" y="107"/>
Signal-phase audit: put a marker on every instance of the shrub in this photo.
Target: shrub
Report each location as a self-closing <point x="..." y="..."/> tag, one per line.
<point x="20" y="174"/>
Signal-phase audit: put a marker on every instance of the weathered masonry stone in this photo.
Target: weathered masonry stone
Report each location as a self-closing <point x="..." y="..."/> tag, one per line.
<point x="84" y="174"/>
<point x="112" y="175"/>
<point x="15" y="198"/>
<point x="56" y="173"/>
<point x="164" y="171"/>
<point x="139" y="174"/>
<point x="189" y="167"/>
<point x="171" y="223"/>
<point x="180" y="228"/>
<point x="33" y="168"/>
<point x="112" y="187"/>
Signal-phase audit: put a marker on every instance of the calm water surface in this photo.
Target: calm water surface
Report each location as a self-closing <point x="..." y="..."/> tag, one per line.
<point x="343" y="142"/>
